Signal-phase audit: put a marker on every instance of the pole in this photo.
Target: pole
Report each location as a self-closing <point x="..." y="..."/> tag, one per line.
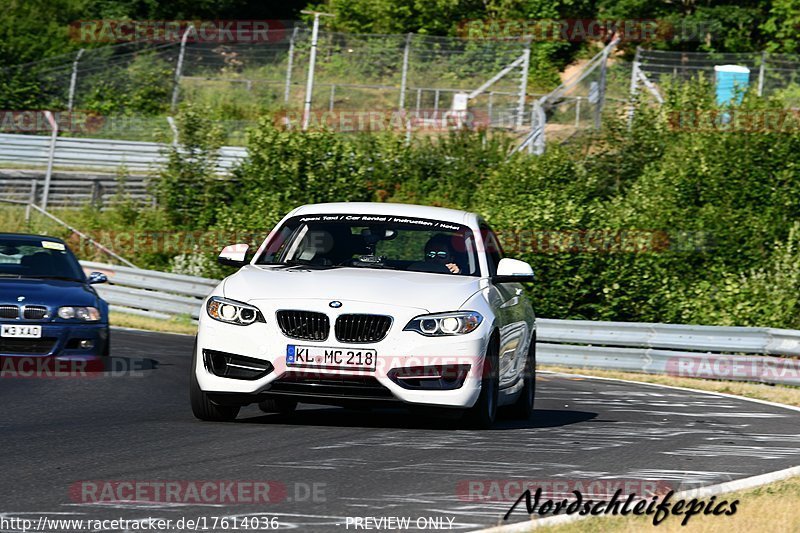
<point x="179" y="68"/>
<point x="50" y="157"/>
<point x="333" y="97"/>
<point x="311" y="62"/>
<point x="601" y="91"/>
<point x="523" y="86"/>
<point x="73" y="80"/>
<point x="634" y="88"/>
<point x="761" y="70"/>
<point x="287" y="92"/>
<point x="404" y="76"/>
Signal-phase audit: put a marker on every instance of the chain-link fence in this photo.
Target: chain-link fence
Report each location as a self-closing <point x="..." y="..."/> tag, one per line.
<point x="769" y="74"/>
<point x="134" y="86"/>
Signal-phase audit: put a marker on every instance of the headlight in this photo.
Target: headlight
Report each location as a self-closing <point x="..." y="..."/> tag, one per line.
<point x="85" y="314"/>
<point x="232" y="312"/>
<point x="444" y="324"/>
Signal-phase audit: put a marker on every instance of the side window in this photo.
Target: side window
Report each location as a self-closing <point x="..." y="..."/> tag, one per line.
<point x="494" y="253"/>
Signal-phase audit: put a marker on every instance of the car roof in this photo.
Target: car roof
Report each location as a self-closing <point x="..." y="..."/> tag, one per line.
<point x="376" y="208"/>
<point x="29" y="237"/>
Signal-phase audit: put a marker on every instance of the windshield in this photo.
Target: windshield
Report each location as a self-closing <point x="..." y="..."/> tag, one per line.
<point x="28" y="258"/>
<point x="374" y="241"/>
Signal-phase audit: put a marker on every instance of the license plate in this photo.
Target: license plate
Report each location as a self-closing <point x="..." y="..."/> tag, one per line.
<point x="322" y="357"/>
<point x="25" y="332"/>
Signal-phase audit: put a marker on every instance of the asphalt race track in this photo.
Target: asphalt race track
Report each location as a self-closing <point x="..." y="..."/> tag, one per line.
<point x="327" y="464"/>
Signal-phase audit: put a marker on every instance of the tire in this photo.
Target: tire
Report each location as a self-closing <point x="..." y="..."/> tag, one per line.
<point x="483" y="414"/>
<point x="522" y="408"/>
<point x="283" y="406"/>
<point x="202" y="407"/>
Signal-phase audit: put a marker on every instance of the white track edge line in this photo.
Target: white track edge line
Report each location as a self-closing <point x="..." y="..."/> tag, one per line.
<point x="712" y="490"/>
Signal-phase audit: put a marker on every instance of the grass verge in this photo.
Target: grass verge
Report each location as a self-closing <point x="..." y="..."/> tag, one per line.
<point x="172" y="325"/>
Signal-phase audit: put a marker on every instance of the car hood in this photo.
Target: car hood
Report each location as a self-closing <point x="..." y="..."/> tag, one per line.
<point x="428" y="292"/>
<point x="48" y="292"/>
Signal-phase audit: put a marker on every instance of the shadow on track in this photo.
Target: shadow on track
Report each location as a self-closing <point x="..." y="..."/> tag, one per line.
<point x="405" y="419"/>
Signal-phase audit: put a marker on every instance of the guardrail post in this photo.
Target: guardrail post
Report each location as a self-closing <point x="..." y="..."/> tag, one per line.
<point x="97" y="194"/>
<point x="31" y="201"/>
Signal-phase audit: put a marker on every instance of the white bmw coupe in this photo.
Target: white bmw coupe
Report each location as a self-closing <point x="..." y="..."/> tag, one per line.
<point x="369" y="304"/>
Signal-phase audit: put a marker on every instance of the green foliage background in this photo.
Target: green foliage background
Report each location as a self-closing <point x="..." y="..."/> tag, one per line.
<point x="718" y="211"/>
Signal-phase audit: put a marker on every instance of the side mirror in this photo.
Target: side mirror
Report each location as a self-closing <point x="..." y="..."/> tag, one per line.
<point x="96" y="277"/>
<point x="513" y="271"/>
<point x="234" y="255"/>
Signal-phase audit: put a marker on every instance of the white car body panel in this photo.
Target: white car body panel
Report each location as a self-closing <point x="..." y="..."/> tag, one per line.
<point x="399" y="294"/>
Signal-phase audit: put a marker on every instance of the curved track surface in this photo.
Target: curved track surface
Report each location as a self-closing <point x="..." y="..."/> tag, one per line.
<point x="335" y="463"/>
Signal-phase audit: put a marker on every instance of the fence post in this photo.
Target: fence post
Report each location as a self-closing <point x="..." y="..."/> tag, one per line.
<point x="577" y="112"/>
<point x="311" y="63"/>
<point x="436" y="102"/>
<point x="404" y="75"/>
<point x="73" y="80"/>
<point x="761" y="70"/>
<point x="287" y="92"/>
<point x="179" y="68"/>
<point x="50" y="157"/>
<point x="333" y="97"/>
<point x="634" y="87"/>
<point x="419" y="98"/>
<point x="523" y="86"/>
<point x="601" y="91"/>
<point x="491" y="106"/>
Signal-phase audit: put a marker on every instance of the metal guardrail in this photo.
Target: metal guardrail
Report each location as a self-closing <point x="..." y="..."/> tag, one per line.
<point x="714" y="352"/>
<point x="74" y="189"/>
<point x="150" y="292"/>
<point x="74" y="152"/>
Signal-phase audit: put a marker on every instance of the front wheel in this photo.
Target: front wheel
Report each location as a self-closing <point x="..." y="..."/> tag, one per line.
<point x="522" y="409"/>
<point x="202" y="407"/>
<point x="482" y="415"/>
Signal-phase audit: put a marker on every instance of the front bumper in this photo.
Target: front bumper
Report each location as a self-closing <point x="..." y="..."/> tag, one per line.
<point x="57" y="340"/>
<point x="265" y="347"/>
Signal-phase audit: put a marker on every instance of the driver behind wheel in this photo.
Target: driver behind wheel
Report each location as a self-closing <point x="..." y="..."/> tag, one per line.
<point x="438" y="250"/>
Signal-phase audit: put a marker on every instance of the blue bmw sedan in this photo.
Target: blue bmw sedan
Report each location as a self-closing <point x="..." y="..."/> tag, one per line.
<point x="48" y="306"/>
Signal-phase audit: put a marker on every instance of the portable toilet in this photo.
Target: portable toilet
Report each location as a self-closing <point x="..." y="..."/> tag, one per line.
<point x="732" y="82"/>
